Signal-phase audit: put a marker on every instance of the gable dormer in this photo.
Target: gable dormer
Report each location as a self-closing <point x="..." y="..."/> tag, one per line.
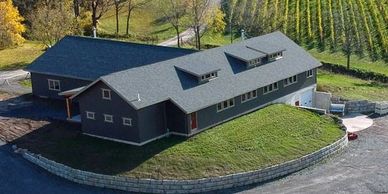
<point x="204" y="73"/>
<point x="252" y="58"/>
<point x="272" y="52"/>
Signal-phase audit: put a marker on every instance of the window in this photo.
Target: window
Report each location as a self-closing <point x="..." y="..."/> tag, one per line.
<point x="254" y="62"/>
<point x="309" y="73"/>
<point x="290" y="80"/>
<point x="270" y="88"/>
<point x="54" y="85"/>
<point x="90" y="115"/>
<point x="108" y="118"/>
<point x="106" y="94"/>
<point x="275" y="56"/>
<point x="209" y="76"/>
<point x="225" y="104"/>
<point x="248" y="96"/>
<point x="127" y="121"/>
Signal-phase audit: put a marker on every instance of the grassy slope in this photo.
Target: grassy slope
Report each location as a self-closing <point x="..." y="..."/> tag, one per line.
<point x="144" y="22"/>
<point x="269" y="136"/>
<point x="351" y="88"/>
<point x="19" y="57"/>
<point x="355" y="61"/>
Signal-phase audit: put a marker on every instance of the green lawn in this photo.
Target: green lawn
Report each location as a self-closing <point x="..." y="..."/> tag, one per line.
<point x="351" y="88"/>
<point x="355" y="61"/>
<point x="145" y="22"/>
<point x="272" y="135"/>
<point x="26" y="83"/>
<point x="19" y="57"/>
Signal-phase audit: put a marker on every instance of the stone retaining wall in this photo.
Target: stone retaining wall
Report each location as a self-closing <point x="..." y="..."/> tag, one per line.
<point x="185" y="186"/>
<point x="362" y="106"/>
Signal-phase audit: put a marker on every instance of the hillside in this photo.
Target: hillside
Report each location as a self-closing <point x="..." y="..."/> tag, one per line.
<point x="324" y="24"/>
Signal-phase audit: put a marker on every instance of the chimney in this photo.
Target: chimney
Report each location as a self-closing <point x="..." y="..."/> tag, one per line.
<point x="94" y="32"/>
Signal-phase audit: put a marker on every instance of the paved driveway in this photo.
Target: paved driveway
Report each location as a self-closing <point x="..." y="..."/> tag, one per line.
<point x="19" y="176"/>
<point x="362" y="168"/>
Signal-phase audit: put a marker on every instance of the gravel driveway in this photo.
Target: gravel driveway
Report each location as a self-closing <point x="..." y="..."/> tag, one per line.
<point x="362" y="168"/>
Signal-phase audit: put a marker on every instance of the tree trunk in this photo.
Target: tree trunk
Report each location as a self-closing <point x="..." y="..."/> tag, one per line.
<point x="76" y="8"/>
<point x="178" y="37"/>
<point x="128" y="19"/>
<point x="117" y="19"/>
<point x="94" y="15"/>
<point x="198" y="37"/>
<point x="348" y="60"/>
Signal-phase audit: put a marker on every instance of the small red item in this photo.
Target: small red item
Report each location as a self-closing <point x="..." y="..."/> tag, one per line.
<point x="352" y="136"/>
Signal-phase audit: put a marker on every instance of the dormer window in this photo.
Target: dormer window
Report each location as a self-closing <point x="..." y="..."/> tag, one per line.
<point x="275" y="56"/>
<point x="254" y="62"/>
<point x="209" y="76"/>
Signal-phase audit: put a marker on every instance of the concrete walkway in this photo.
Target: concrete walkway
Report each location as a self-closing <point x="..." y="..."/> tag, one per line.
<point x="357" y="122"/>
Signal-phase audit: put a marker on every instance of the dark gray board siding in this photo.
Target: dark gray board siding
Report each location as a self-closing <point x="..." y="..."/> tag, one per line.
<point x="176" y="119"/>
<point x="91" y="100"/>
<point x="152" y="121"/>
<point x="209" y="116"/>
<point x="40" y="86"/>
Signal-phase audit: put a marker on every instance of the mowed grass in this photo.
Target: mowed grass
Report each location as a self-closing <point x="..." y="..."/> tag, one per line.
<point x="269" y="136"/>
<point x="351" y="88"/>
<point x="144" y="22"/>
<point x="20" y="57"/>
<point x="363" y="63"/>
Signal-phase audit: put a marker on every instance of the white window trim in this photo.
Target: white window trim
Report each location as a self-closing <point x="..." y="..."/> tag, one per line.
<point x="53" y="81"/>
<point x="273" y="88"/>
<point x="88" y="113"/>
<point x="108" y="120"/>
<point x="127" y="121"/>
<point x="212" y="76"/>
<point x="225" y="108"/>
<point x="288" y="83"/>
<point x="308" y="75"/>
<point x="246" y="94"/>
<point x="103" y="90"/>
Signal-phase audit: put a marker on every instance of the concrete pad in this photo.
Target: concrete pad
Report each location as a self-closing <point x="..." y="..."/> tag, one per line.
<point x="357" y="122"/>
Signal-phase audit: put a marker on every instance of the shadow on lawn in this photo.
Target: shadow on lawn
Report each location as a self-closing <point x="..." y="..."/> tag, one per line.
<point x="64" y="143"/>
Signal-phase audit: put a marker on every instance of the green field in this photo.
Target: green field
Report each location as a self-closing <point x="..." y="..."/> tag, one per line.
<point x="355" y="61"/>
<point x="269" y="136"/>
<point x="351" y="88"/>
<point x="145" y="23"/>
<point x="19" y="57"/>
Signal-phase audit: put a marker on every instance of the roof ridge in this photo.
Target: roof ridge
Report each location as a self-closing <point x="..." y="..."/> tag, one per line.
<point x="126" y="42"/>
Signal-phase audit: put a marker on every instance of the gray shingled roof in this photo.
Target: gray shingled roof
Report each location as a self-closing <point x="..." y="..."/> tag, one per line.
<point x="198" y="70"/>
<point x="244" y="53"/>
<point x="266" y="47"/>
<point x="162" y="81"/>
<point x="90" y="58"/>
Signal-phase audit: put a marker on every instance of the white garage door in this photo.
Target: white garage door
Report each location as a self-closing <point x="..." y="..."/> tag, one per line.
<point x="307" y="98"/>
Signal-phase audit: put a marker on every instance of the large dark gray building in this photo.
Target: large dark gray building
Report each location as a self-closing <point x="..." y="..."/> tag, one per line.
<point x="183" y="93"/>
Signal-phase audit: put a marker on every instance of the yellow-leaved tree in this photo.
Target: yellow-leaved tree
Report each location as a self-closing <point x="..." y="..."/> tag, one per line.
<point x="11" y="27"/>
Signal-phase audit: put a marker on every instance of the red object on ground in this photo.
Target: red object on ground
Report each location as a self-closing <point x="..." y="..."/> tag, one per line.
<point x="352" y="136"/>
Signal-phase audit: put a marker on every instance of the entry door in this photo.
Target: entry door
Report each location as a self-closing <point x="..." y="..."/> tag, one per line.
<point x="193" y="120"/>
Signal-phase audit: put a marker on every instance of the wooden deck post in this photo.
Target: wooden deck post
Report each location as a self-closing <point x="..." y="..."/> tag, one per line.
<point x="68" y="107"/>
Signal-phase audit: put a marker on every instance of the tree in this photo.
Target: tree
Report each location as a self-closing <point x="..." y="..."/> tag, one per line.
<point x="218" y="24"/>
<point x="51" y="20"/>
<point x="132" y="5"/>
<point x="198" y="18"/>
<point x="118" y="6"/>
<point x="98" y="9"/>
<point x="11" y="28"/>
<point x="173" y="11"/>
